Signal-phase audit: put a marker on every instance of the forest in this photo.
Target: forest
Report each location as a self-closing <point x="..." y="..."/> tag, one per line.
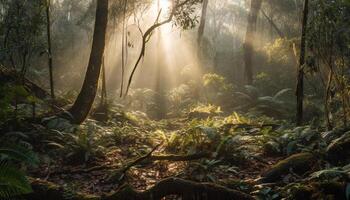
<point x="174" y="99"/>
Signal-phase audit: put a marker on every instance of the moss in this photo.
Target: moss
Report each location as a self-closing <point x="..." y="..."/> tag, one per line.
<point x="298" y="163"/>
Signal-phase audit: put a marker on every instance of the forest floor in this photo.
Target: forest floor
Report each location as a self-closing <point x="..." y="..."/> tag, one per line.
<point x="262" y="157"/>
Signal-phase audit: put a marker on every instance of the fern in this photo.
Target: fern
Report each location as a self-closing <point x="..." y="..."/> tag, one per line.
<point x="12" y="182"/>
<point x="19" y="153"/>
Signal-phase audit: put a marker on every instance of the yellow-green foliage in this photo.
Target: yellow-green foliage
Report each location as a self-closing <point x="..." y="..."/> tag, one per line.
<point x="281" y="50"/>
<point x="208" y="108"/>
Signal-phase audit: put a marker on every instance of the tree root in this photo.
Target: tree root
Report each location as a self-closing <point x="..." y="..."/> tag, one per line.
<point x="188" y="190"/>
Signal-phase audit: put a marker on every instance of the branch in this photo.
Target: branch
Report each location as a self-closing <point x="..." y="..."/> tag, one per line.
<point x="146" y="37"/>
<point x="280" y="33"/>
<point x="179" y="157"/>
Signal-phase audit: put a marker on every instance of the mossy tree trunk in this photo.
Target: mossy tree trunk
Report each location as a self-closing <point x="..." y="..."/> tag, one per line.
<point x="86" y="97"/>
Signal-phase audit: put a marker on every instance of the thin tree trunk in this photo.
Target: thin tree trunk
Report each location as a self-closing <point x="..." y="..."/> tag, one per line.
<point x="250" y="40"/>
<point x="202" y="26"/>
<point x="49" y="50"/>
<point x="327" y="98"/>
<point x="104" y="86"/>
<point x="300" y="76"/>
<point x="86" y="97"/>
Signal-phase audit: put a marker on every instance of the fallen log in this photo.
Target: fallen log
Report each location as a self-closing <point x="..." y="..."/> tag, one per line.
<point x="187" y="190"/>
<point x="11" y="76"/>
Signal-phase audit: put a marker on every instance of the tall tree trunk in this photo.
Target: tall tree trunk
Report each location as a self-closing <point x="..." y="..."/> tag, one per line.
<point x="86" y="97"/>
<point x="49" y="50"/>
<point x="250" y="40"/>
<point x="202" y="24"/>
<point x="159" y="97"/>
<point x="300" y="76"/>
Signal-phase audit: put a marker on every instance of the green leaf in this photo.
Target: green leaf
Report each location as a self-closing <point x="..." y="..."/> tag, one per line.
<point x="12" y="182"/>
<point x="20" y="153"/>
<point x="280" y="93"/>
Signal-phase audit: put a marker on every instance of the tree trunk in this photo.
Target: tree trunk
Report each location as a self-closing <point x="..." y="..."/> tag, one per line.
<point x="300" y="76"/>
<point x="86" y="97"/>
<point x="327" y="99"/>
<point x="250" y="40"/>
<point x="202" y="24"/>
<point x="49" y="50"/>
<point x="159" y="96"/>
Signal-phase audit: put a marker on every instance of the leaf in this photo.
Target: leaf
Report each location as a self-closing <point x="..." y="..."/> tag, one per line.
<point x="280" y="93"/>
<point x="19" y="153"/>
<point x="12" y="182"/>
<point x="291" y="146"/>
<point x="208" y="131"/>
<point x="17" y="134"/>
<point x="253" y="91"/>
<point x="245" y="96"/>
<point x="55" y="144"/>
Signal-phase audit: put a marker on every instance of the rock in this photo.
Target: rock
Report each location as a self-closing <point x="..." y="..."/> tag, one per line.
<point x="338" y="151"/>
<point x="298" y="163"/>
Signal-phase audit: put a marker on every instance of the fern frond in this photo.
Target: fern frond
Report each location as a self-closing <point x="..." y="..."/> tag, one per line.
<point x="19" y="153"/>
<point x="12" y="182"/>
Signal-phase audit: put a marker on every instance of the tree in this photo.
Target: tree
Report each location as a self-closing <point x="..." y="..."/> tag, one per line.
<point x="250" y="39"/>
<point x="49" y="49"/>
<point x="300" y="75"/>
<point x="85" y="99"/>
<point x="202" y="26"/>
<point x="159" y="96"/>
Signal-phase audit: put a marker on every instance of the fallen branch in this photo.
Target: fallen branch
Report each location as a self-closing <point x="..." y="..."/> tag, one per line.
<point x="119" y="174"/>
<point x="179" y="157"/>
<point x="185" y="189"/>
<point x="147" y="157"/>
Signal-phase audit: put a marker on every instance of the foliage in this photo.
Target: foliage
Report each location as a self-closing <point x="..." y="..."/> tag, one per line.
<point x="79" y="146"/>
<point x="12" y="178"/>
<point x="217" y="90"/>
<point x="252" y="100"/>
<point x="181" y="97"/>
<point x="25" y="20"/>
<point x="290" y="141"/>
<point x="8" y="95"/>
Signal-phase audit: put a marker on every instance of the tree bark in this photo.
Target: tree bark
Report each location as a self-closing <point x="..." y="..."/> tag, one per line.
<point x="201" y="27"/>
<point x="250" y="40"/>
<point x="49" y="50"/>
<point x="86" y="97"/>
<point x="300" y="76"/>
<point x="185" y="189"/>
